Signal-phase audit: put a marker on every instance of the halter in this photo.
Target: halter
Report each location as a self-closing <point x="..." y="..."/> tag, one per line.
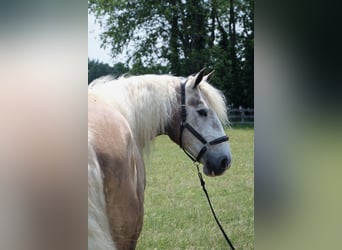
<point x="186" y="125"/>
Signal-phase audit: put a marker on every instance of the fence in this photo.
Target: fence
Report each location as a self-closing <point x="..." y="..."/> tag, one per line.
<point x="241" y="116"/>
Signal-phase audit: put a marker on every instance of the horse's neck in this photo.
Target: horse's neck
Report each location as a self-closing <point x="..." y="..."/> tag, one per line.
<point x="152" y="107"/>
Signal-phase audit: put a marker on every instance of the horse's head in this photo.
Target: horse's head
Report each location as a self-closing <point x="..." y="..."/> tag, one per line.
<point x="200" y="131"/>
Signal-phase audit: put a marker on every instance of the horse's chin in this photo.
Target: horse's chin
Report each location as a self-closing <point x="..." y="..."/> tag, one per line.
<point x="211" y="173"/>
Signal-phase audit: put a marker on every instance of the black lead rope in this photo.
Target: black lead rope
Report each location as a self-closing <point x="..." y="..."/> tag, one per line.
<point x="211" y="207"/>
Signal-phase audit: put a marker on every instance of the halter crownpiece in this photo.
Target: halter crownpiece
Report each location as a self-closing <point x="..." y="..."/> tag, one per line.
<point x="186" y="125"/>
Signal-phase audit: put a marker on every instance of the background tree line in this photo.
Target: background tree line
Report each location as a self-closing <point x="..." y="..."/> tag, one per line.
<point x="181" y="37"/>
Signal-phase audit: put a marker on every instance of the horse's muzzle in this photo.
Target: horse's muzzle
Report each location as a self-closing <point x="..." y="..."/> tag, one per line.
<point x="215" y="166"/>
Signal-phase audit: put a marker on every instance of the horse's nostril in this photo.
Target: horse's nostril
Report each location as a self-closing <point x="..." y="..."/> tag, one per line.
<point x="224" y="163"/>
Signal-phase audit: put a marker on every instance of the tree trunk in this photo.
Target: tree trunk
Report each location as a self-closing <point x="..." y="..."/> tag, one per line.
<point x="213" y="23"/>
<point x="173" y="42"/>
<point x="236" y="86"/>
<point x="232" y="36"/>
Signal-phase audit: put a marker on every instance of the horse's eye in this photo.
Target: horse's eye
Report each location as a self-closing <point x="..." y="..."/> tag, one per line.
<point x="202" y="112"/>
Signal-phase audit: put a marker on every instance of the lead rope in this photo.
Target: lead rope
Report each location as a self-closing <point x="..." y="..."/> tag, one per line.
<point x="211" y="207"/>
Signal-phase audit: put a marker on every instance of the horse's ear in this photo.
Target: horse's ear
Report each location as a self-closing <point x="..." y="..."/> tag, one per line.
<point x="199" y="77"/>
<point x="209" y="76"/>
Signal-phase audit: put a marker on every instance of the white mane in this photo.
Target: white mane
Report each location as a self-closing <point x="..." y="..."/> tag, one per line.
<point x="147" y="102"/>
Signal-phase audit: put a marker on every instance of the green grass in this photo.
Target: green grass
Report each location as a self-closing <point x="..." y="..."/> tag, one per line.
<point x="177" y="215"/>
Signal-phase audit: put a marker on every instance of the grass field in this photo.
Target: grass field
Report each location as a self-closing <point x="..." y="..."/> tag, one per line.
<point x="177" y="215"/>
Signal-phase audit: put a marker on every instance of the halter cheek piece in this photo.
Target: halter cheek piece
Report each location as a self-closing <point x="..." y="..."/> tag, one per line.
<point x="185" y="125"/>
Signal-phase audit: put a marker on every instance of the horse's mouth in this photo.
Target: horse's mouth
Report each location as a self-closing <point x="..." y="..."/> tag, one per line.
<point x="212" y="173"/>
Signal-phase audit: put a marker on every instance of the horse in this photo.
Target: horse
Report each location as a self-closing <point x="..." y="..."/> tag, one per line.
<point x="124" y="116"/>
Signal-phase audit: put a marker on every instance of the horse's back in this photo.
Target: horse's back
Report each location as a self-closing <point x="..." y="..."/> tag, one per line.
<point x="122" y="168"/>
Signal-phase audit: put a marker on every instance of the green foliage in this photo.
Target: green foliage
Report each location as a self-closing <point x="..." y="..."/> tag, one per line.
<point x="177" y="215"/>
<point x="97" y="69"/>
<point x="139" y="68"/>
<point x="185" y="36"/>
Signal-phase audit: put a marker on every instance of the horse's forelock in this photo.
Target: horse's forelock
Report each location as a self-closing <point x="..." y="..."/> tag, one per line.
<point x="215" y="100"/>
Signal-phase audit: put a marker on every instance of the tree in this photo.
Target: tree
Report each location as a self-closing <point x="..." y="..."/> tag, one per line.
<point x="97" y="69"/>
<point x="182" y="36"/>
